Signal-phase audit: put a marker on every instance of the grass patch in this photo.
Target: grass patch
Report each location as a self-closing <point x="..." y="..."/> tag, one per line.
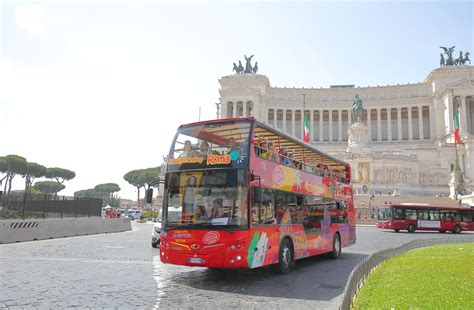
<point x="438" y="277"/>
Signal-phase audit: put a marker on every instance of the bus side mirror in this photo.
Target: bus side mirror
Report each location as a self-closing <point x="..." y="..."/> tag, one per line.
<point x="257" y="194"/>
<point x="149" y="195"/>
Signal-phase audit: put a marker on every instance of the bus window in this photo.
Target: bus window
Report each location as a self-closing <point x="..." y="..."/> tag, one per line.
<point x="264" y="213"/>
<point x="434" y="215"/>
<point x="397" y="214"/>
<point x="410" y="214"/>
<point x="450" y="216"/>
<point x="467" y="216"/>
<point x="423" y="215"/>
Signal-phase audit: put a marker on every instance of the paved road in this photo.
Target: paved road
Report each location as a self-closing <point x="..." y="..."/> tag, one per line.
<point x="123" y="270"/>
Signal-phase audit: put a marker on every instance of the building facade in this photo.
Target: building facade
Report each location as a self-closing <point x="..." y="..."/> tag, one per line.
<point x="410" y="128"/>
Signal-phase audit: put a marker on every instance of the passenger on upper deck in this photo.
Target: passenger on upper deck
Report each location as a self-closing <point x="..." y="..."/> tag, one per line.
<point x="232" y="145"/>
<point x="187" y="150"/>
<point x="285" y="160"/>
<point x="263" y="150"/>
<point x="204" y="149"/>
<point x="272" y="154"/>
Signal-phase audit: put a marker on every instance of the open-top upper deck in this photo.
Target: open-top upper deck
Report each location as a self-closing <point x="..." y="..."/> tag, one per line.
<point x="226" y="143"/>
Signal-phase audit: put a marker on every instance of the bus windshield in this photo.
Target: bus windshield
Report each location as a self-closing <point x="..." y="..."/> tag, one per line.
<point x="210" y="145"/>
<point x="207" y="198"/>
<point x="384" y="214"/>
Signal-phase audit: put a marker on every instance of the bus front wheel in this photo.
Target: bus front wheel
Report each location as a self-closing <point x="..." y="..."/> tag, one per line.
<point x="336" y="246"/>
<point x="396" y="230"/>
<point x="411" y="228"/>
<point x="286" y="257"/>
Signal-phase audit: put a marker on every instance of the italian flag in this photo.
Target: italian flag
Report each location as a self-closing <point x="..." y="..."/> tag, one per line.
<point x="306" y="129"/>
<point x="457" y="138"/>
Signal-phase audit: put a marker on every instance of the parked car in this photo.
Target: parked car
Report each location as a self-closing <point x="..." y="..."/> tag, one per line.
<point x="133" y="214"/>
<point x="173" y="214"/>
<point x="156" y="233"/>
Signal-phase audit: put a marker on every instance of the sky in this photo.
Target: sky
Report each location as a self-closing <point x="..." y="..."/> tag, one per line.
<point x="100" y="87"/>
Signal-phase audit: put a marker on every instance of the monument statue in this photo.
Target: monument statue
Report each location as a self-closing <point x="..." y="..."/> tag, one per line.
<point x="248" y="65"/>
<point x="358" y="108"/>
<point x="241" y="68"/>
<point x="255" y="68"/>
<point x="458" y="60"/>
<point x="442" y="62"/>
<point x="465" y="59"/>
<point x="449" y="53"/>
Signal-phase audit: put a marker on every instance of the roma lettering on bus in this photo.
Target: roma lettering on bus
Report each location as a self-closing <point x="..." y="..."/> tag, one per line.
<point x="218" y="159"/>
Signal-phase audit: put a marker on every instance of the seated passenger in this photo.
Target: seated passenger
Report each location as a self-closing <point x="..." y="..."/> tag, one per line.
<point x="217" y="209"/>
<point x="204" y="149"/>
<point x="263" y="150"/>
<point x="272" y="154"/>
<point x="187" y="150"/>
<point x="285" y="160"/>
<point x="232" y="145"/>
<point x="257" y="146"/>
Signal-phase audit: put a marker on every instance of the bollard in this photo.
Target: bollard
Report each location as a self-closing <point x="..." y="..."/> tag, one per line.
<point x="24" y="205"/>
<point x="44" y="207"/>
<point x="62" y="207"/>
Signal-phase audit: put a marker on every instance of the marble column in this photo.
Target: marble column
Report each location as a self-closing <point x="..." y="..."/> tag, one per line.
<point x="275" y="118"/>
<point x="321" y="126"/>
<point x="339" y="125"/>
<point x="410" y="124"/>
<point x="432" y="121"/>
<point x="450" y="114"/>
<point x="293" y="121"/>
<point x="234" y="109"/>
<point x="369" y="123"/>
<point x="311" y="125"/>
<point x="284" y="120"/>
<point x="420" y="122"/>
<point x="463" y="115"/>
<point x="399" y="124"/>
<point x="244" y="109"/>
<point x="330" y="126"/>
<point x="389" y="124"/>
<point x="379" y="125"/>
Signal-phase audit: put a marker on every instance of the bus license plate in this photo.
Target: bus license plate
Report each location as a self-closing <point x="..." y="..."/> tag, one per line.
<point x="195" y="260"/>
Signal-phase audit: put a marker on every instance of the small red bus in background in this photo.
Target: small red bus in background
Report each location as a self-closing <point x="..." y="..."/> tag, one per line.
<point x="250" y="196"/>
<point x="413" y="217"/>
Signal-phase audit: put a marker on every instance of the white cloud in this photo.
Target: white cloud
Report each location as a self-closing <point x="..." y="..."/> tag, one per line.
<point x="31" y="19"/>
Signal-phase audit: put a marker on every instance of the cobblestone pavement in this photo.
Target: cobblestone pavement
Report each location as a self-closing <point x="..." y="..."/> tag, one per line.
<point x="122" y="270"/>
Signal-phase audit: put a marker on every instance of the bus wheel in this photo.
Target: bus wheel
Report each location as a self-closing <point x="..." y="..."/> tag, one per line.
<point x="396" y="230"/>
<point x="336" y="246"/>
<point x="285" y="257"/>
<point x="411" y="228"/>
<point x="457" y="229"/>
<point x="442" y="231"/>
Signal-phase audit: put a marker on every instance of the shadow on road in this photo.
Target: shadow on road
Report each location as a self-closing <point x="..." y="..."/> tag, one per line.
<point x="314" y="278"/>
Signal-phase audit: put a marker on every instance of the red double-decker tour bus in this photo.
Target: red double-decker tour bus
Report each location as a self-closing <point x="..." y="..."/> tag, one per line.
<point x="241" y="194"/>
<point x="413" y="217"/>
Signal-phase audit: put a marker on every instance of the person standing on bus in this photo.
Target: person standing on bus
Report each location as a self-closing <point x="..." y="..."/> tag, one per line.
<point x="189" y="194"/>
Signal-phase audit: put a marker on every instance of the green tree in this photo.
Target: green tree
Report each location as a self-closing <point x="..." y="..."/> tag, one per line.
<point x="32" y="171"/>
<point x="107" y="189"/>
<point x="88" y="193"/>
<point x="150" y="177"/>
<point x="3" y="170"/>
<point x="14" y="165"/>
<point x="135" y="178"/>
<point x="49" y="187"/>
<point x="60" y="174"/>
